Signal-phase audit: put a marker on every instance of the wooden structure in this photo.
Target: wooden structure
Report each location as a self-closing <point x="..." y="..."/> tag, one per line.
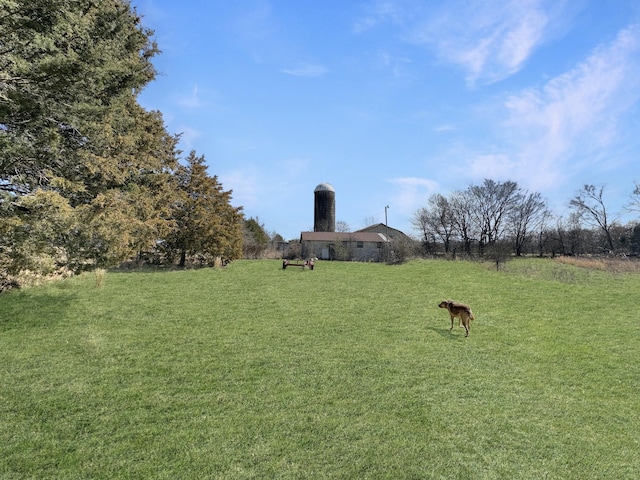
<point x="310" y="264"/>
<point x="393" y="234"/>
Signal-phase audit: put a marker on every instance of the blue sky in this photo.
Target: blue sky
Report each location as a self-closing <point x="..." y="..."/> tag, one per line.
<point x="393" y="101"/>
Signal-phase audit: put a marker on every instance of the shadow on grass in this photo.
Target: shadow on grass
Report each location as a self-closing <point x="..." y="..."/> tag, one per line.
<point x="44" y="309"/>
<point x="446" y="333"/>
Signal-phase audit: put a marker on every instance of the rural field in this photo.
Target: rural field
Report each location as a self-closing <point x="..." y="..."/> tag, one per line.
<point x="346" y="371"/>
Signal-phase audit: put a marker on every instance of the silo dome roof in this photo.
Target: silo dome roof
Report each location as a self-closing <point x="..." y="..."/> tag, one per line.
<point x="324" y="187"/>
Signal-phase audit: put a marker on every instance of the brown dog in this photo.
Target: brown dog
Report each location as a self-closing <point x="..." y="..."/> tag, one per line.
<point x="460" y="310"/>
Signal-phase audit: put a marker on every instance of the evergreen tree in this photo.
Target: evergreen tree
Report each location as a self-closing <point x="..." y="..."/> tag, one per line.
<point x="73" y="137"/>
<point x="207" y="226"/>
<point x="65" y="65"/>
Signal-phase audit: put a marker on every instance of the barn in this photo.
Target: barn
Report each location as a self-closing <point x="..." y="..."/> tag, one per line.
<point x="393" y="234"/>
<point x="356" y="246"/>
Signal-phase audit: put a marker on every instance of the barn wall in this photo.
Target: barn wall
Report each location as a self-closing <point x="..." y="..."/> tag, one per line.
<point x="369" y="252"/>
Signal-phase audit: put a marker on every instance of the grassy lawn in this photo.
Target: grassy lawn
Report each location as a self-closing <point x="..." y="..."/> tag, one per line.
<point x="346" y="371"/>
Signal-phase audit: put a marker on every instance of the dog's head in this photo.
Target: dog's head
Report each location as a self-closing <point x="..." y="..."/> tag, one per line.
<point x="444" y="304"/>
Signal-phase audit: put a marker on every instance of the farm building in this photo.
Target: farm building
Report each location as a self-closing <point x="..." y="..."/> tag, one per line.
<point x="394" y="234"/>
<point x="367" y="245"/>
<point x="357" y="246"/>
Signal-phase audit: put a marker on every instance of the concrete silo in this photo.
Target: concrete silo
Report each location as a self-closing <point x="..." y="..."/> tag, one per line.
<point x="324" y="212"/>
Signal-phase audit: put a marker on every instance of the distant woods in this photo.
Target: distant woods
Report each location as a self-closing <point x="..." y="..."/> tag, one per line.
<point x="89" y="178"/>
<point x="496" y="219"/>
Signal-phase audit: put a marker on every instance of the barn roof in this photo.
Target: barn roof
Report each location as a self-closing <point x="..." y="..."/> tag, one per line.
<point x="342" y="237"/>
<point x="381" y="227"/>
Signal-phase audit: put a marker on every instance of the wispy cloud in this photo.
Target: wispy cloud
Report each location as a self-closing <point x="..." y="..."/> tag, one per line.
<point x="192" y="100"/>
<point x="446" y="127"/>
<point x="188" y="137"/>
<point x="396" y="64"/>
<point x="500" y="166"/>
<point x="306" y="70"/>
<point x="260" y="185"/>
<point x="578" y="111"/>
<point x="489" y="40"/>
<point x="381" y="12"/>
<point x="245" y="184"/>
<point x="411" y="193"/>
<point x="256" y="23"/>
<point x="571" y="117"/>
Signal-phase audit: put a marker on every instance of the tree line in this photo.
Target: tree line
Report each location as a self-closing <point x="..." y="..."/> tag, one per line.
<point x="88" y="177"/>
<point x="498" y="218"/>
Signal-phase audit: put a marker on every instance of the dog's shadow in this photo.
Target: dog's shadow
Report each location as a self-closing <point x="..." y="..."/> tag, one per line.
<point x="446" y="333"/>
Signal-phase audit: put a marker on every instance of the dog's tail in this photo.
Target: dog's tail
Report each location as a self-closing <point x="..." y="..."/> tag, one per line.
<point x="471" y="316"/>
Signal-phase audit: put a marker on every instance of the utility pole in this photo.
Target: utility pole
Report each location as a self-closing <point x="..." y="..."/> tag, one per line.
<point x="386" y="225"/>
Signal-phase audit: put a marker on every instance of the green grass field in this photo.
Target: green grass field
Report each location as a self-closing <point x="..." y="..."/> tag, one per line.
<point x="346" y="371"/>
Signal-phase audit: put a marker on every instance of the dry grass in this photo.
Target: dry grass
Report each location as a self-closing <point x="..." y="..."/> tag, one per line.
<point x="28" y="278"/>
<point x="100" y="274"/>
<point x="605" y="264"/>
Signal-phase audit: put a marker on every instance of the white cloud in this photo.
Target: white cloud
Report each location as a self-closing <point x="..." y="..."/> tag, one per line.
<point x="192" y="100"/>
<point x="245" y="185"/>
<point x="575" y="114"/>
<point x="446" y="127"/>
<point x="494" y="166"/>
<point x="188" y="136"/>
<point x="411" y="193"/>
<point x="306" y="70"/>
<point x="266" y="185"/>
<point x="393" y="63"/>
<point x="380" y="12"/>
<point x="256" y="23"/>
<point x="490" y="40"/>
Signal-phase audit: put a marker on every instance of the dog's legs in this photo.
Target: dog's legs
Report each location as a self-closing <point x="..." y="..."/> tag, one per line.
<point x="452" y="318"/>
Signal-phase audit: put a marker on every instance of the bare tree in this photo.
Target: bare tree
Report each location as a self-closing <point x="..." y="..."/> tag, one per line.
<point x="634" y="202"/>
<point x="436" y="220"/>
<point x="491" y="204"/>
<point x="420" y="222"/>
<point x="441" y="219"/>
<point x="589" y="205"/>
<point x="545" y="234"/>
<point x="561" y="235"/>
<point x="342" y="226"/>
<point x="368" y="221"/>
<point x="528" y="213"/>
<point x="571" y="236"/>
<point x="460" y="204"/>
